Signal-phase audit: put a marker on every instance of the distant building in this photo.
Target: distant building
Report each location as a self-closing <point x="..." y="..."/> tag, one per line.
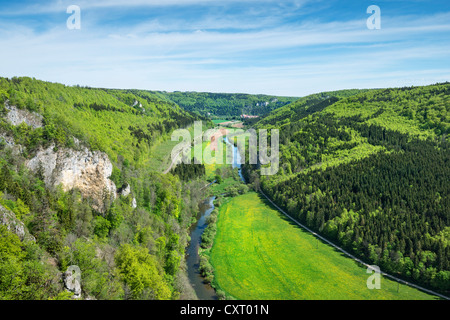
<point x="246" y="116"/>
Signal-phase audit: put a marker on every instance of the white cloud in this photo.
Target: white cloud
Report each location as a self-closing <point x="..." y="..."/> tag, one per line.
<point x="176" y="55"/>
<point x="61" y="5"/>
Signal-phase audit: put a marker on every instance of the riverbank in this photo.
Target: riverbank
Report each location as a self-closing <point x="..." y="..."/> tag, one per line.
<point x="203" y="290"/>
<point x="205" y="267"/>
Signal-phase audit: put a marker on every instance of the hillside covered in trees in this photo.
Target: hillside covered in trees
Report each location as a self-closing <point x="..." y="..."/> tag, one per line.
<point x="217" y="105"/>
<point x="371" y="172"/>
<point x="134" y="247"/>
<point x="369" y="169"/>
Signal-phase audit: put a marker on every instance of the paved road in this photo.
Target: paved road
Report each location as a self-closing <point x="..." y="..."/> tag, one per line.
<point x="352" y="256"/>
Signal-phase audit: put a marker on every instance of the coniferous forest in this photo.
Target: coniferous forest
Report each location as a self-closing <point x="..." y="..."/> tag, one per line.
<point x="371" y="172"/>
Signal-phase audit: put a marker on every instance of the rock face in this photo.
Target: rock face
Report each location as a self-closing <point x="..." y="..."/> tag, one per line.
<point x="16" y="116"/>
<point x="8" y="218"/>
<point x="9" y="142"/>
<point x="72" y="279"/>
<point x="125" y="190"/>
<point x="85" y="170"/>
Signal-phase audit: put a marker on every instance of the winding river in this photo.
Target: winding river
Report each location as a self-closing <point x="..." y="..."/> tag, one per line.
<point x="204" y="291"/>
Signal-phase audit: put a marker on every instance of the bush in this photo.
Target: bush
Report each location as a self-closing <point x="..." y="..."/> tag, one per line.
<point x="101" y="227"/>
<point x="3" y="97"/>
<point x="140" y="272"/>
<point x="221" y="294"/>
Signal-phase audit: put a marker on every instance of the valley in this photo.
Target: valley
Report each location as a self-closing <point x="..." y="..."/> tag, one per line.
<point x="259" y="254"/>
<point x="365" y="169"/>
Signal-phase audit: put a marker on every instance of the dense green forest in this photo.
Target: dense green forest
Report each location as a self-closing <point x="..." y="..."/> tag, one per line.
<point x="371" y="172"/>
<point x="123" y="123"/>
<point x="218" y="105"/>
<point x="188" y="172"/>
<point x="305" y="106"/>
<point x="125" y="252"/>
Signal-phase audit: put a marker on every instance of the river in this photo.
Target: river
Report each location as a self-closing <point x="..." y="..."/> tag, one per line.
<point x="236" y="157"/>
<point x="203" y="290"/>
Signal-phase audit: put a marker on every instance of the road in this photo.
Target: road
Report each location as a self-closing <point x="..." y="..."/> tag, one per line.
<point x="175" y="158"/>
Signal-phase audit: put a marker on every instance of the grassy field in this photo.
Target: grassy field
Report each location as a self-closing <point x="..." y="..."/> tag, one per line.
<point x="160" y="155"/>
<point x="215" y="159"/>
<point x="259" y="254"/>
<point x="217" y="189"/>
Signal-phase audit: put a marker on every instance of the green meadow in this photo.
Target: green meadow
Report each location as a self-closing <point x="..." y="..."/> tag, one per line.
<point x="213" y="159"/>
<point x="219" y="121"/>
<point x="259" y="254"/>
<point x="160" y="155"/>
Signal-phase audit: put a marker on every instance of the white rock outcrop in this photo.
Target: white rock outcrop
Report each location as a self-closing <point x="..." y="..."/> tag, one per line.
<point x="125" y="191"/>
<point x="16" y="116"/>
<point x="86" y="170"/>
<point x="72" y="279"/>
<point x="8" y="141"/>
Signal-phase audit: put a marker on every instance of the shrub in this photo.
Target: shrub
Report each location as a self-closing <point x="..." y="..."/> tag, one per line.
<point x="101" y="227"/>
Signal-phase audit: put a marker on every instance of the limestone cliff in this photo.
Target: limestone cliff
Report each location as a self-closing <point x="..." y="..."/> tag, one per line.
<point x="16" y="116"/>
<point x="86" y="170"/>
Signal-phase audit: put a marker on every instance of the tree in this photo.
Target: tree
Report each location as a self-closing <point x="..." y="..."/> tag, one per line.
<point x="101" y="227"/>
<point x="140" y="272"/>
<point x="442" y="280"/>
<point x="22" y="275"/>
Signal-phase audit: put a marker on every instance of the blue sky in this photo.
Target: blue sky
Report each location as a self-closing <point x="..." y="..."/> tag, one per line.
<point x="291" y="47"/>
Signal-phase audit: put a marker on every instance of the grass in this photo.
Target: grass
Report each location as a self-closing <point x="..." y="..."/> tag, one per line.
<point x="160" y="155"/>
<point x="259" y="254"/>
<point x="217" y="189"/>
<point x="218" y="121"/>
<point x="211" y="158"/>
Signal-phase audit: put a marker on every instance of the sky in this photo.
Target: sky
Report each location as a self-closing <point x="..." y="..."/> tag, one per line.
<point x="288" y="48"/>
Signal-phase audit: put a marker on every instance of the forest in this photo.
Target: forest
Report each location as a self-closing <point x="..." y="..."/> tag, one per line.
<point x="125" y="252"/>
<point x="230" y="106"/>
<point x="368" y="169"/>
<point x="370" y="172"/>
